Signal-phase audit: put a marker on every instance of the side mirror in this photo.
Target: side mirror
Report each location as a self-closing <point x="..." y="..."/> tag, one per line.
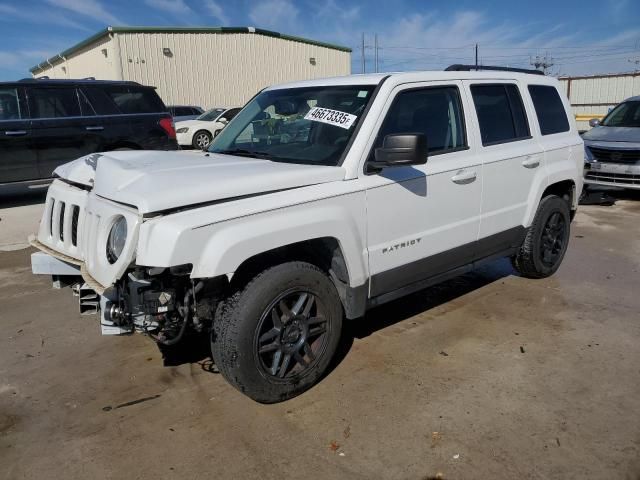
<point x="223" y="120"/>
<point x="400" y="149"/>
<point x="594" y="122"/>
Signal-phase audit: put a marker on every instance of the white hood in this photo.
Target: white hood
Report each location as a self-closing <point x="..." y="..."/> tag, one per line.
<point x="153" y="181"/>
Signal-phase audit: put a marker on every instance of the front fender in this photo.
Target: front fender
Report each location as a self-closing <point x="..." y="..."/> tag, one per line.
<point x="219" y="248"/>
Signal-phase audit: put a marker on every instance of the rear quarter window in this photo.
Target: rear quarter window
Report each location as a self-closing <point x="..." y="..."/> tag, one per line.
<point x="135" y="100"/>
<point x="550" y="111"/>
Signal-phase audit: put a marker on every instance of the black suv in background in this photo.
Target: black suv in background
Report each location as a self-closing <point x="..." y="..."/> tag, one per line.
<point x="45" y="123"/>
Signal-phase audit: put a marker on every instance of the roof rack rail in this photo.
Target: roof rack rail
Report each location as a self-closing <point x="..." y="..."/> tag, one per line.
<point x="469" y="68"/>
<point x="89" y="78"/>
<point x="30" y="79"/>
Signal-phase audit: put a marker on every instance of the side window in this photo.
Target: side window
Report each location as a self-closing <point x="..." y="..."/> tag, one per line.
<point x="53" y="102"/>
<point x="100" y="101"/>
<point x="500" y="113"/>
<point x="434" y="111"/>
<point x="231" y="113"/>
<point x="183" y="111"/>
<point x="136" y="100"/>
<point x="550" y="111"/>
<point x="85" y="105"/>
<point x="9" y="104"/>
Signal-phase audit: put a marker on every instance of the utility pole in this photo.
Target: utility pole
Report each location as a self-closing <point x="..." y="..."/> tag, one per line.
<point x="542" y="63"/>
<point x="375" y="43"/>
<point x="476" y="57"/>
<point x="363" y="62"/>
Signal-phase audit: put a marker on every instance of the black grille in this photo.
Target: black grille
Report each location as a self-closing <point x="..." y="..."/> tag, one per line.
<point x="621" y="178"/>
<point x="53" y="204"/>
<point x="61" y="221"/>
<point x="75" y="213"/>
<point x="615" y="156"/>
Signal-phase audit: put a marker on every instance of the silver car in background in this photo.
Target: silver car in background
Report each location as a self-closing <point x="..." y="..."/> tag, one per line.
<point x="612" y="147"/>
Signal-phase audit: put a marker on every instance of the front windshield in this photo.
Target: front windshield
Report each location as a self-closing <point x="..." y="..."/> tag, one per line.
<point x="626" y="114"/>
<point x="211" y="115"/>
<point x="310" y="125"/>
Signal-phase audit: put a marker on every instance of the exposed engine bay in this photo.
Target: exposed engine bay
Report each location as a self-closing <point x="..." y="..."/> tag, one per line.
<point x="162" y="303"/>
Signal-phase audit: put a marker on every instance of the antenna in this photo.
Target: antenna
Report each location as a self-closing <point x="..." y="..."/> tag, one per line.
<point x="542" y="63"/>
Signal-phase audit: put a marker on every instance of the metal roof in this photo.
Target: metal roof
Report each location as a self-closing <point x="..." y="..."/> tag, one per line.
<point x="109" y="30"/>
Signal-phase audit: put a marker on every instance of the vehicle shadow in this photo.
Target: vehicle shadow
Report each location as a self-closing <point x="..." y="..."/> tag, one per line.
<point x="607" y="196"/>
<point x="422" y="301"/>
<point x="196" y="348"/>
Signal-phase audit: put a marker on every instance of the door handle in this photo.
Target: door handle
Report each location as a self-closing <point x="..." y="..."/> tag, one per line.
<point x="15" y="133"/>
<point x="464" y="177"/>
<point x="531" y="161"/>
<point x="96" y="128"/>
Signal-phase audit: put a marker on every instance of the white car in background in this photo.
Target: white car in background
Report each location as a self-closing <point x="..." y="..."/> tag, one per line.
<point x="200" y="132"/>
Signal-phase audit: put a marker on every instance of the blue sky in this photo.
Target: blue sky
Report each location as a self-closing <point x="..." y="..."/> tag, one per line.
<point x="582" y="37"/>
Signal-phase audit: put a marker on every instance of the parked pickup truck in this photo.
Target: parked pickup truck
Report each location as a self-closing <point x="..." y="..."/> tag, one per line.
<point x="319" y="200"/>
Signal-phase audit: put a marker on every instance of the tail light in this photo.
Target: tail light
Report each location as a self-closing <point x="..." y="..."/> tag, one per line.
<point x="168" y="126"/>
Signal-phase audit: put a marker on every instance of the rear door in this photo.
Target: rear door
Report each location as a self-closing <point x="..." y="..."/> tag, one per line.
<point x="116" y="131"/>
<point x="144" y="110"/>
<point x="512" y="162"/>
<point x="17" y="158"/>
<point x="59" y="130"/>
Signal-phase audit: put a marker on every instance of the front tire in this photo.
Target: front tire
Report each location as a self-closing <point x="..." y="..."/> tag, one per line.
<point x="274" y="338"/>
<point x="201" y="140"/>
<point x="547" y="240"/>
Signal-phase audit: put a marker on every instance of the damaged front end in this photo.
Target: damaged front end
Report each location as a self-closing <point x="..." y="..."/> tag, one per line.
<point x="89" y="243"/>
<point x="163" y="303"/>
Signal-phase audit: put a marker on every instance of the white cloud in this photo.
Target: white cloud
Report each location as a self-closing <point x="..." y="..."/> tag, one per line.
<point x="216" y="11"/>
<point x="88" y="8"/>
<point x="330" y="10"/>
<point x="275" y="14"/>
<point x="46" y="16"/>
<point x="20" y="56"/>
<point x="177" y="7"/>
<point x="431" y="41"/>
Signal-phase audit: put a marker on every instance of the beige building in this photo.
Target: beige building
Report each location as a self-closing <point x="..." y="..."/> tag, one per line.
<point x="594" y="95"/>
<point x="209" y="67"/>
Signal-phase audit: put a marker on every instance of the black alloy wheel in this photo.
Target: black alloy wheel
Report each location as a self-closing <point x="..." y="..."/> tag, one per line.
<point x="291" y="335"/>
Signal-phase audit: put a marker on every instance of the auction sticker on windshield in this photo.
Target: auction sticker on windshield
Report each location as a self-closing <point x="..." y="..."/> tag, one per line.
<point x="331" y="117"/>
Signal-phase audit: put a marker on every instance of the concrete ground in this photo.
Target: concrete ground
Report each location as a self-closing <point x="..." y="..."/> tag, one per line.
<point x="487" y="376"/>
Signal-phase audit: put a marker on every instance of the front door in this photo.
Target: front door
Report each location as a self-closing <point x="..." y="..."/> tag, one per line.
<point x="423" y="220"/>
<point x="17" y="158"/>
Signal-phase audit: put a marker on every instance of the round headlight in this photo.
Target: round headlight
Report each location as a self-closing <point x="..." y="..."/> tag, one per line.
<point x="116" y="240"/>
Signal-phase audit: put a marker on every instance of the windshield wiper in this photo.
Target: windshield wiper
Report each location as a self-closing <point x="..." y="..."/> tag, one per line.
<point x="245" y="153"/>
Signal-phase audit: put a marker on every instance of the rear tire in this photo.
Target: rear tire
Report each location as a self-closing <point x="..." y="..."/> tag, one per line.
<point x="546" y="241"/>
<point x="275" y="337"/>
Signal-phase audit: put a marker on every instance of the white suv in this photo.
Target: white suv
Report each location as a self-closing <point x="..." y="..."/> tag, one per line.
<point x="320" y="199"/>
